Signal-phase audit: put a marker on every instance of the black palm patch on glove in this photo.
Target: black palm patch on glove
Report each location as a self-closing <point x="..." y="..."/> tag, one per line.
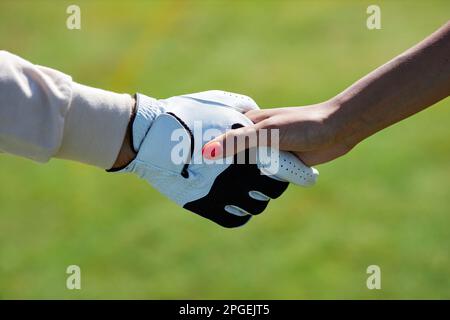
<point x="236" y="183"/>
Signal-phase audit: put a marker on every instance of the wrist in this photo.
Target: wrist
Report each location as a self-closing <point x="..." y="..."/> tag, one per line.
<point x="344" y="127"/>
<point x="127" y="152"/>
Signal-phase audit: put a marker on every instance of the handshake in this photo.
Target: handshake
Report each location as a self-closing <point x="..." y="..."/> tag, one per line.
<point x="169" y="137"/>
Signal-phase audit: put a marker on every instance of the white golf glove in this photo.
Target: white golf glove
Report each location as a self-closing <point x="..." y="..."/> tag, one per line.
<point x="168" y="136"/>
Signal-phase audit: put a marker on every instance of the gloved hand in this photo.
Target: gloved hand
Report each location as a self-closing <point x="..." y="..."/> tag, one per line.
<point x="168" y="136"/>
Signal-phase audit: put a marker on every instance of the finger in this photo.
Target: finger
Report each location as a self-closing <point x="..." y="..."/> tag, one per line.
<point x="260" y="115"/>
<point x="238" y="102"/>
<point x="288" y="167"/>
<point x="293" y="170"/>
<point x="270" y="187"/>
<point x="231" y="143"/>
<point x="250" y="205"/>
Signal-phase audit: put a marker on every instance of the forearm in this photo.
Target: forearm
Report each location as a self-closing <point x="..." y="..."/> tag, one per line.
<point x="409" y="83"/>
<point x="44" y="114"/>
<point x="95" y="126"/>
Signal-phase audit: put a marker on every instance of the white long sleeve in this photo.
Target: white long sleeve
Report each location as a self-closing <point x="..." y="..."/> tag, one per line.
<point x="44" y="114"/>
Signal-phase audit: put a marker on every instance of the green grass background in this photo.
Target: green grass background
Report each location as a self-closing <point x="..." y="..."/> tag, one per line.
<point x="386" y="203"/>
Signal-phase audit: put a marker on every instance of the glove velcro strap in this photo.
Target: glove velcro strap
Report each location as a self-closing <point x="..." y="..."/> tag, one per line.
<point x="167" y="145"/>
<point x="147" y="110"/>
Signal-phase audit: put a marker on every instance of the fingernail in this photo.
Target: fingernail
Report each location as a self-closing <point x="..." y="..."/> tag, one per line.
<point x="212" y="150"/>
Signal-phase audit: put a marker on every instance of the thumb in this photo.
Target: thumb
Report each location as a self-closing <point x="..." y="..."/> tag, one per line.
<point x="232" y="142"/>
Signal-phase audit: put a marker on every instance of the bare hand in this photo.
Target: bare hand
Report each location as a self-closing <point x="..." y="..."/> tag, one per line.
<point x="309" y="132"/>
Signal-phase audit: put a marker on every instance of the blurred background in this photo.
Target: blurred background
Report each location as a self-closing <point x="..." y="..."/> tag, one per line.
<point x="386" y="203"/>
